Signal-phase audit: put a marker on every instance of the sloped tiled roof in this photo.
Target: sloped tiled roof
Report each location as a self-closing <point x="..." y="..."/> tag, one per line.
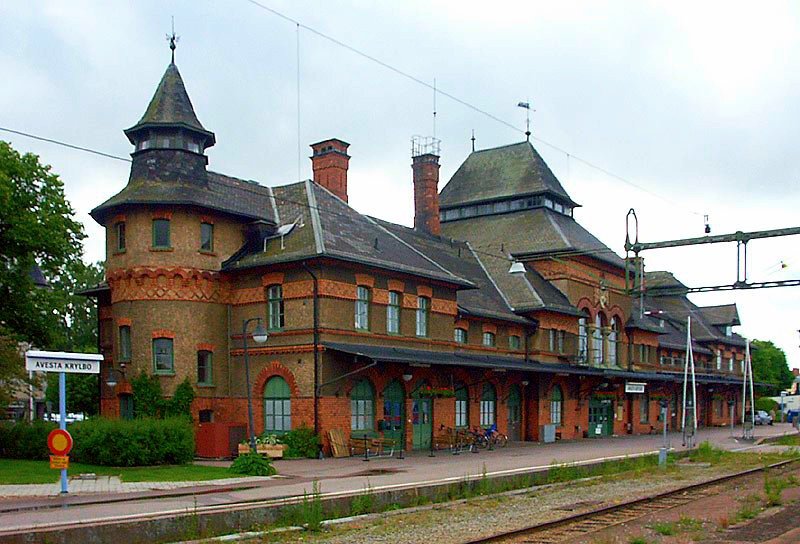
<point x="217" y="192"/>
<point x="721" y="315"/>
<point x="529" y="233"/>
<point x="170" y="106"/>
<point x="501" y="172"/>
<point x="328" y="227"/>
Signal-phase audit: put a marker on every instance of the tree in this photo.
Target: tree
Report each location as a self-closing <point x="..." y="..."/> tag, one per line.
<point x="770" y="366"/>
<point x="38" y="228"/>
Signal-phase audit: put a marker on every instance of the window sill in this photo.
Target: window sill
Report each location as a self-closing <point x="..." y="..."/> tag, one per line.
<point x="162" y="249"/>
<point x="207" y="385"/>
<point x="119" y="251"/>
<point x="164" y="373"/>
<point x="206" y="252"/>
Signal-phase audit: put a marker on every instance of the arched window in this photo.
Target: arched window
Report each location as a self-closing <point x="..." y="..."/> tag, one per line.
<point x="460" y="335"/>
<point x="462" y="406"/>
<point x="556" y="406"/>
<point x="597" y="338"/>
<point x="613" y="341"/>
<point x="488" y="405"/>
<point x="362" y="407"/>
<point x="489" y="339"/>
<point x="277" y="406"/>
<point x="583" y="337"/>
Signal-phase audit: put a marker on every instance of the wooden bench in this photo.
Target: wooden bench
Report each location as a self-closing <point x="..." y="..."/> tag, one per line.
<point x="372" y="446"/>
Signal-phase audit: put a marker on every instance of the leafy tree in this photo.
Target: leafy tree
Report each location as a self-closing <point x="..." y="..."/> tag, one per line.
<point x="82" y="393"/>
<point x="770" y="366"/>
<point x="38" y="228"/>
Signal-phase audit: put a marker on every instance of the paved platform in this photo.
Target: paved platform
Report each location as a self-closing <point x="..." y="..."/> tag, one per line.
<point x="337" y="476"/>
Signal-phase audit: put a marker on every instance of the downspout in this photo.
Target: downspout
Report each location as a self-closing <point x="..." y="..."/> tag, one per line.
<point x="316" y="345"/>
<point x="100" y="375"/>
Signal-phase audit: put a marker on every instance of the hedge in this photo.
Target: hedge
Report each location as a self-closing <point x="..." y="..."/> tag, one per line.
<point x="137" y="442"/>
<point x="25" y="440"/>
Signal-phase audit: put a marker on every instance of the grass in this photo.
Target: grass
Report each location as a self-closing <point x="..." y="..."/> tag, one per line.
<point x="665" y="528"/>
<point x="20" y="471"/>
<point x="788" y="440"/>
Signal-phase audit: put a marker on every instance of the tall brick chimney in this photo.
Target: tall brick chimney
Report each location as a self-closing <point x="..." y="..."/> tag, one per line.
<point x="329" y="162"/>
<point x="426" y="193"/>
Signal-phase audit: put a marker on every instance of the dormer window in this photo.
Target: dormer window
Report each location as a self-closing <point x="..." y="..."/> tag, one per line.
<point x="145" y="144"/>
<point x="194" y="147"/>
<point x="728" y="330"/>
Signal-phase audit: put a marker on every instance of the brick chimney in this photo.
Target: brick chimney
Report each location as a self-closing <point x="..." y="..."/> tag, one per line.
<point x="426" y="193"/>
<point x="329" y="162"/>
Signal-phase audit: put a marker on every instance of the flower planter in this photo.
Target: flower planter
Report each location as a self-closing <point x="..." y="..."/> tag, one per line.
<point x="273" y="451"/>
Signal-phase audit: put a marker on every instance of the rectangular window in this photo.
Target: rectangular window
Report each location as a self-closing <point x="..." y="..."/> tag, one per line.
<point x="204" y="376"/>
<point x="719" y="360"/>
<point x="487" y="413"/>
<point x="124" y="343"/>
<point x="513" y="342"/>
<point x="551" y="337"/>
<point x="461" y="413"/>
<point x="460" y="335"/>
<point x="488" y="339"/>
<point x="275" y="307"/>
<point x="206" y="237"/>
<point x="362" y="308"/>
<point x="393" y="313"/>
<point x="161" y="233"/>
<point x="644" y="408"/>
<point x="561" y="339"/>
<point x="730" y="364"/>
<point x="361" y="415"/>
<point x="163" y="361"/>
<point x="423" y="310"/>
<point x="277" y="415"/>
<point x="555" y="412"/>
<point x="120" y="230"/>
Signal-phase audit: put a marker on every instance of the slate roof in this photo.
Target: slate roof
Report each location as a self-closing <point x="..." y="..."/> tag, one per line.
<point x="499" y="293"/>
<point x="662" y="279"/>
<point x="531" y="233"/>
<point x="721" y="315"/>
<point x="327" y="226"/>
<point x="227" y="194"/>
<point x="501" y="172"/>
<point x="170" y="106"/>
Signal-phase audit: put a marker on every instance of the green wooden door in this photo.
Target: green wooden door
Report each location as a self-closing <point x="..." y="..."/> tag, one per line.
<point x="421" y="422"/>
<point x="394" y="401"/>
<point x="601" y="417"/>
<point x="514" y="413"/>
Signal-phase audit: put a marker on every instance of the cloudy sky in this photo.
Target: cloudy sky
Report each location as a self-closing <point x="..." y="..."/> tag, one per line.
<point x="693" y="104"/>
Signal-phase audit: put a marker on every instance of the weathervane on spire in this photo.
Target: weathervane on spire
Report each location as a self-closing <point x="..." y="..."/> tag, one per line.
<point x="527" y="107"/>
<point x="173" y="40"/>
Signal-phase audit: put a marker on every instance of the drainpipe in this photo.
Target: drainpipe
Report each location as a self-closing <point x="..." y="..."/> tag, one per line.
<point x="316" y="345"/>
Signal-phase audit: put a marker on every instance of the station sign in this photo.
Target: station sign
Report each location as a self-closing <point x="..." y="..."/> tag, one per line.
<point x="634" y="387"/>
<point x="59" y="361"/>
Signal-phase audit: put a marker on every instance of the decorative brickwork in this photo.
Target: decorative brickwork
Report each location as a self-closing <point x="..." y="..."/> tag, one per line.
<point x="163" y="333"/>
<point x="366" y="280"/>
<point x="395" y="285"/>
<point x="205" y="347"/>
<point x="168" y="283"/>
<point x="123" y="321"/>
<point x="272" y="278"/>
<point x="274" y="369"/>
<point x="424" y="291"/>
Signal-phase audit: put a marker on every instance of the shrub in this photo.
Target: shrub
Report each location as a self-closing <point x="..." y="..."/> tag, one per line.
<point x="181" y="402"/>
<point x="252" y="464"/>
<point x="147" y="397"/>
<point x="301" y="442"/>
<point x="24" y="440"/>
<point x="138" y="442"/>
<point x="664" y="528"/>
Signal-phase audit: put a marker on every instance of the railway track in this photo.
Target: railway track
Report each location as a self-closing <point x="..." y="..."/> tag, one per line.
<point x="570" y="528"/>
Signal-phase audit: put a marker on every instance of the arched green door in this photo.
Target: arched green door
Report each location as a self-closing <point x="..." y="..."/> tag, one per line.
<point x="514" y="412"/>
<point x="277" y="406"/>
<point x="421" y="420"/>
<point x="394" y="400"/>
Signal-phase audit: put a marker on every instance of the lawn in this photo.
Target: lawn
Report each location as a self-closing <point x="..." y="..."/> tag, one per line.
<point x="18" y="471"/>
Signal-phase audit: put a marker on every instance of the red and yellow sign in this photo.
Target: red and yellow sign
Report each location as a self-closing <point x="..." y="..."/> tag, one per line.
<point x="59" y="461"/>
<point x="60" y="442"/>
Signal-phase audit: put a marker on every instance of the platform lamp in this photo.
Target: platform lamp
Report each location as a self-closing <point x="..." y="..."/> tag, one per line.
<point x="260" y="336"/>
<point x="516" y="268"/>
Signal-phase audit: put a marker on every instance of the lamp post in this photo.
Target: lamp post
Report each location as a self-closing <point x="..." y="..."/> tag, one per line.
<point x="407" y="377"/>
<point x="731" y="404"/>
<point x="662" y="451"/>
<point x="259" y="336"/>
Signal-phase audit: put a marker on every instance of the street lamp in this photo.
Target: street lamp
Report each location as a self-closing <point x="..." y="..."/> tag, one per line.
<point x="260" y="336"/>
<point x="517" y="268"/>
<point x="111" y="381"/>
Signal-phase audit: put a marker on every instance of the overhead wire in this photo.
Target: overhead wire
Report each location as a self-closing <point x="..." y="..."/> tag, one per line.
<point x="463" y="102"/>
<point x="500" y="255"/>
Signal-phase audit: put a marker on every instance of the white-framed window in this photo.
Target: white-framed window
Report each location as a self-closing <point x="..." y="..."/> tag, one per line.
<point x="719" y="360"/>
<point x="362" y="308"/>
<point x="583" y="338"/>
<point x="730" y="364"/>
<point x="460" y="335"/>
<point x="423" y="314"/>
<point x="275" y="317"/>
<point x="488" y="405"/>
<point x="489" y="339"/>
<point x="556" y="406"/>
<point x="393" y="313"/>
<point x="462" y="407"/>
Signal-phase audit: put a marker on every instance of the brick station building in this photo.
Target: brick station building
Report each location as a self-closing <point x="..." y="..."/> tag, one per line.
<point x="376" y="328"/>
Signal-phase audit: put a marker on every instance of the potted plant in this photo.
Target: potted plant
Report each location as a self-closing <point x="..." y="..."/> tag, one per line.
<point x="266" y="444"/>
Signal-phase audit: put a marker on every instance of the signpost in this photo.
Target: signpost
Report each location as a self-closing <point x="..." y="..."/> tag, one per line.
<point x="59" y="441"/>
